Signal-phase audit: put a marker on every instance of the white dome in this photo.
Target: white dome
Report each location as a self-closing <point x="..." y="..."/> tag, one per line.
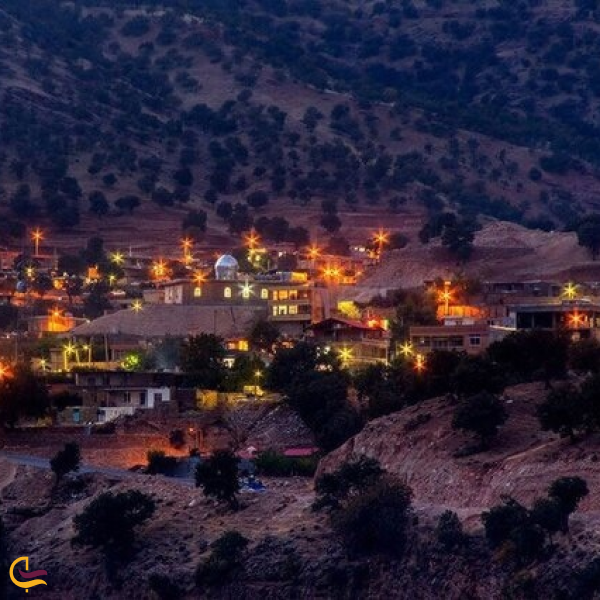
<point x="226" y="268"/>
<point x="227" y="261"/>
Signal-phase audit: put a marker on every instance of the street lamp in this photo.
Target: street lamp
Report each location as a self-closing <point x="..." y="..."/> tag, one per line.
<point x="406" y="349"/>
<point x="346" y="355"/>
<point x="88" y="348"/>
<point x="37" y="235"/>
<point x="381" y="238"/>
<point x="257" y="376"/>
<point x="446" y="296"/>
<point x="419" y="363"/>
<point x="199" y="277"/>
<point x="117" y="258"/>
<point x="252" y="240"/>
<point x="137" y="306"/>
<point x="570" y="291"/>
<point x="68" y="349"/>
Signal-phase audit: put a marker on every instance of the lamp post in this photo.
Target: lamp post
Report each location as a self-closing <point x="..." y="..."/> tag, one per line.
<point x="446" y="296"/>
<point x="37" y="235"/>
<point x="257" y="376"/>
<point x="381" y="238"/>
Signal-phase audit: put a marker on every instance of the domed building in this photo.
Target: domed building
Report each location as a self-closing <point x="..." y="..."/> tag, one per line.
<point x="226" y="268"/>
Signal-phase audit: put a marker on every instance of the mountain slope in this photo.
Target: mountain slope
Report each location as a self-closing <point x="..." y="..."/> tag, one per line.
<point x="380" y="111"/>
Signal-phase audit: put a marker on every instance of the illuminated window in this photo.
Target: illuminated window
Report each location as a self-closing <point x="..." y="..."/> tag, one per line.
<point x="264" y="294"/>
<point x="283" y="295"/>
<point x="227" y="292"/>
<point x="274" y="311"/>
<point x="293" y="294"/>
<point x="197" y="292"/>
<point x="282" y="310"/>
<point x="246" y="292"/>
<point x="243" y="345"/>
<point x="293" y="310"/>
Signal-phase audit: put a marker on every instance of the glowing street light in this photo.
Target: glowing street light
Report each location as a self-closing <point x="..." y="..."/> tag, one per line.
<point x="4" y="371"/>
<point x="346" y="355"/>
<point x="137" y="306"/>
<point x="570" y="291"/>
<point x="159" y="268"/>
<point x="419" y="363"/>
<point x="446" y="296"/>
<point x="314" y="252"/>
<point x="30" y="272"/>
<point x="381" y="238"/>
<point x="117" y="258"/>
<point x="576" y="320"/>
<point x="257" y="376"/>
<point x="252" y="240"/>
<point x="187" y="244"/>
<point x="37" y="236"/>
<point x="407" y="349"/>
<point x="88" y="348"/>
<point x="112" y="279"/>
<point x="68" y="349"/>
<point x="199" y="278"/>
<point x="246" y="290"/>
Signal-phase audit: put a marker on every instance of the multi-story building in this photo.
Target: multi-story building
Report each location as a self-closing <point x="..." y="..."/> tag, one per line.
<point x="290" y="299"/>
<point x="106" y="395"/>
<point x="357" y="343"/>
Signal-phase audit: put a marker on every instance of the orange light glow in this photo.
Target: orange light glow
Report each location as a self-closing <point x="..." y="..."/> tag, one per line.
<point x="199" y="277"/>
<point x="37" y="236"/>
<point x="159" y="269"/>
<point x="252" y="239"/>
<point x="576" y="320"/>
<point x="314" y="252"/>
<point x="419" y="363"/>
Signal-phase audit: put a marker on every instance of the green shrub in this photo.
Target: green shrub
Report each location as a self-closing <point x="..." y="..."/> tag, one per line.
<point x="449" y="530"/>
<point x="164" y="587"/>
<point x="274" y="464"/>
<point x="376" y="519"/>
<point x="65" y="460"/>
<point x="224" y="560"/>
<point x="218" y="476"/>
<point x="110" y="519"/>
<point x="159" y="462"/>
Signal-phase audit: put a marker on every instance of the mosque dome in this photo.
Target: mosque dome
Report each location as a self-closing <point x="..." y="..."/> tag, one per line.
<point x="226" y="268"/>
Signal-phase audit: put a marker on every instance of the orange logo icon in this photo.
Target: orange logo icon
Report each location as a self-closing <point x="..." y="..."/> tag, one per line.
<point x="26" y="575"/>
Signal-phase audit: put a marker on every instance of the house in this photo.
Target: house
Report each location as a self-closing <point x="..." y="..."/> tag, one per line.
<point x="289" y="299"/>
<point x="357" y="343"/>
<point x="578" y="317"/>
<point x="472" y="339"/>
<point x="122" y="332"/>
<point x="107" y="395"/>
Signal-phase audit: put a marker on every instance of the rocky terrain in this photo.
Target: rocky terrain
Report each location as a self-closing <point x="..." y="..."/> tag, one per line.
<point x="293" y="552"/>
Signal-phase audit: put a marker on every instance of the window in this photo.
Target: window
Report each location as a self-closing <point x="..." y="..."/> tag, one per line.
<point x="246" y="292"/>
<point x="142" y="398"/>
<point x="157" y="397"/>
<point x="127" y="397"/>
<point x="197" y="292"/>
<point x="227" y="292"/>
<point x="76" y="415"/>
<point x="243" y="346"/>
<point x="293" y="294"/>
<point x="475" y="339"/>
<point x="283" y="295"/>
<point x="293" y="310"/>
<point x="264" y="294"/>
